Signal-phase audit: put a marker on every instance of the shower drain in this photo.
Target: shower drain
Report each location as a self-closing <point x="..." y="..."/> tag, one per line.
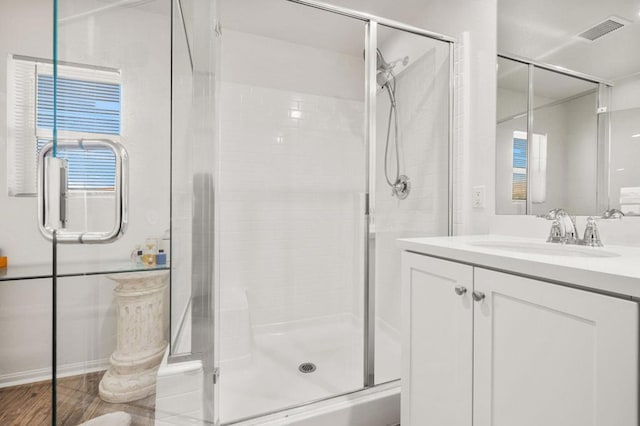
<point x="307" y="367"/>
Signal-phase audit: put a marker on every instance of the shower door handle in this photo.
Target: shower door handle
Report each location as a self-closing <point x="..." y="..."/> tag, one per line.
<point x="52" y="193"/>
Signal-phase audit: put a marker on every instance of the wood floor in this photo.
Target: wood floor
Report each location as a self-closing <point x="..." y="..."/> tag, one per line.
<point x="78" y="401"/>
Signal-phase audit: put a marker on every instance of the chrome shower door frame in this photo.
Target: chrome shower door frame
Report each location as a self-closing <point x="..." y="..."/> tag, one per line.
<point x="371" y="44"/>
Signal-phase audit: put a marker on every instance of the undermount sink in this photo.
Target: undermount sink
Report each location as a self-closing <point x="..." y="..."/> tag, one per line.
<point x="547" y="249"/>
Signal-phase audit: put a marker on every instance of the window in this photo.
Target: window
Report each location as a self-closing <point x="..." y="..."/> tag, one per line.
<point x="537" y="168"/>
<point x="88" y="106"/>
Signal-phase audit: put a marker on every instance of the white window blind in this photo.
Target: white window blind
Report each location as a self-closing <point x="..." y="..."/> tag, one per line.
<point x="88" y="106"/>
<point x="21" y="138"/>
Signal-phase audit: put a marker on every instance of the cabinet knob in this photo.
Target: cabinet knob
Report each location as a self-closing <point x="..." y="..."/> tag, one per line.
<point x="478" y="296"/>
<point x="460" y="290"/>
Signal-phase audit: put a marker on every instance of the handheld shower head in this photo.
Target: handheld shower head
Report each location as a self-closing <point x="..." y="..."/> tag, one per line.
<point x="384" y="68"/>
<point x="386" y="79"/>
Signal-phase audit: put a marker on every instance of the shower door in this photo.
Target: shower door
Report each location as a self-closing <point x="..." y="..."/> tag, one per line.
<point x="293" y="196"/>
<point x="417" y="70"/>
<point x="116" y="120"/>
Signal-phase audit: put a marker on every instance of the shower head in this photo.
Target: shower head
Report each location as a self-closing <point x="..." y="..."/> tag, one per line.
<point x="385" y="69"/>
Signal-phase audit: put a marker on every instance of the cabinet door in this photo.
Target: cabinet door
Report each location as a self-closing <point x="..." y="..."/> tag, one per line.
<point x="550" y="355"/>
<point x="437" y="342"/>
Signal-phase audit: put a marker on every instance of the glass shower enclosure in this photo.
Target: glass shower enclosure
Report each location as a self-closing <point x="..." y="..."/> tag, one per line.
<point x="335" y="141"/>
<point x="219" y="185"/>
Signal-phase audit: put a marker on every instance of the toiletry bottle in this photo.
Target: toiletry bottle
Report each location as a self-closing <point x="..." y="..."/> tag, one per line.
<point x="149" y="256"/>
<point x="161" y="257"/>
<point x="139" y="258"/>
<point x="134" y="255"/>
<point x="165" y="244"/>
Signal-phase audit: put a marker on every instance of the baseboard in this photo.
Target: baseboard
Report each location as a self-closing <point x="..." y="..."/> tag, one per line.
<point x="42" y="374"/>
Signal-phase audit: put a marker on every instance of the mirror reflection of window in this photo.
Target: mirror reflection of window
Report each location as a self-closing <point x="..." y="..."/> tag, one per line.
<point x="519" y="181"/>
<point x="538" y="168"/>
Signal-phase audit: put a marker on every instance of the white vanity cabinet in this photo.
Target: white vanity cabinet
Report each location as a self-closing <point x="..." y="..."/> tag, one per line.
<point x="527" y="353"/>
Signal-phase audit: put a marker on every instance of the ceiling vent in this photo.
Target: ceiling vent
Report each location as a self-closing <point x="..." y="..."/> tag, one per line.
<point x="603" y="28"/>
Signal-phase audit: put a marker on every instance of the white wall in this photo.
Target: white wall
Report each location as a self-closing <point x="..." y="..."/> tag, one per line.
<point x="626" y="94"/>
<point x="19" y="236"/>
<point x="290" y="188"/>
<point x="137" y="42"/>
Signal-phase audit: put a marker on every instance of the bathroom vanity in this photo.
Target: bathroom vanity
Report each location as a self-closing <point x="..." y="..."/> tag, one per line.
<point x="508" y="331"/>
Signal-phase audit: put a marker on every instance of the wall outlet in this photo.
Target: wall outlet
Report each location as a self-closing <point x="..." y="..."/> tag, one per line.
<point x="477" y="197"/>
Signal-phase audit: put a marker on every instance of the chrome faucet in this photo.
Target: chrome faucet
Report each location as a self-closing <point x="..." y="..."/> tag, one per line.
<point x="564" y="231"/>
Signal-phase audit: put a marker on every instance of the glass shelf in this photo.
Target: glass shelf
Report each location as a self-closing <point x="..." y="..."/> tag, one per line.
<point x="32" y="272"/>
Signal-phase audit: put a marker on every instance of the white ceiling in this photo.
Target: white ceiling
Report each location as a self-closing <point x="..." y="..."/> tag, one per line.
<point x="546" y="31"/>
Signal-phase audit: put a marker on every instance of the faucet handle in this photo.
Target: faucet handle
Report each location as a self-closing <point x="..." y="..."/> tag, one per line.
<point x="612" y="214"/>
<point x="555" y="235"/>
<point x="591" y="234"/>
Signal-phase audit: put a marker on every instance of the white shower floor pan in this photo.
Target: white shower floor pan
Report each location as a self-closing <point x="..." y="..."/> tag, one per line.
<point x="269" y="380"/>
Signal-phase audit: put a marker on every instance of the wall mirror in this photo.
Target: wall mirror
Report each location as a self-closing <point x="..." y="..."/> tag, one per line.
<point x="568" y="107"/>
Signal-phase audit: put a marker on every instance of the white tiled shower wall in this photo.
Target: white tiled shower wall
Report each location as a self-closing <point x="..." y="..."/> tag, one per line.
<point x="292" y="164"/>
<point x="292" y="176"/>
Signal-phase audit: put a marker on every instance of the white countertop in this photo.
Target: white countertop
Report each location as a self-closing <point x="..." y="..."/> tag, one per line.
<point x="619" y="274"/>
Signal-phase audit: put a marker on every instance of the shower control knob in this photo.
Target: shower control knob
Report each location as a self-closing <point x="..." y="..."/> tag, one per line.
<point x="460" y="290"/>
<point x="478" y="296"/>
